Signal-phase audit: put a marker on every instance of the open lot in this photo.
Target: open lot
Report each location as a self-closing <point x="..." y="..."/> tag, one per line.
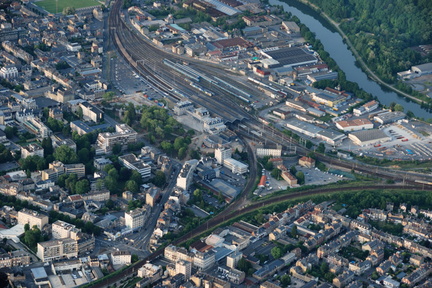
<point x="57" y="6"/>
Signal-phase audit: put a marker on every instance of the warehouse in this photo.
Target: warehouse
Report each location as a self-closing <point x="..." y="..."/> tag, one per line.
<point x="290" y="56"/>
<point x="354" y="125"/>
<point x="389" y="117"/>
<point x="303" y="127"/>
<point x="368" y="137"/>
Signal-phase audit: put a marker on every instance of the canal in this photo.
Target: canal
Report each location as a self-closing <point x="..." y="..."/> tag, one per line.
<point x="338" y="50"/>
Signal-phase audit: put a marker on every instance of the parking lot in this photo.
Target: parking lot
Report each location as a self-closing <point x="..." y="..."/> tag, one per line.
<point x="409" y="141"/>
<point x="314" y="176"/>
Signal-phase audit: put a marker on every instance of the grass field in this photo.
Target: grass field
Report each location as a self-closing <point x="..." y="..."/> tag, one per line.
<point x="54" y="6"/>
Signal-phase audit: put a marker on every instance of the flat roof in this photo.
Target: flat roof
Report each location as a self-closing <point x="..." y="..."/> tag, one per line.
<point x="369" y="135"/>
<point x="291" y="55"/>
<point x="39" y="273"/>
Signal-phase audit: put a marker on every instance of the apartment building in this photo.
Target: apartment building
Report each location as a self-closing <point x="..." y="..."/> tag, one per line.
<point x="14" y="259"/>
<point x="121" y="258"/>
<point x="135" y="219"/>
<point x="91" y="112"/>
<point x="61" y="229"/>
<point x="57" y="249"/>
<point x="132" y="162"/>
<point x="57" y="168"/>
<point x="123" y="136"/>
<point x="32" y="150"/>
<point x="27" y="216"/>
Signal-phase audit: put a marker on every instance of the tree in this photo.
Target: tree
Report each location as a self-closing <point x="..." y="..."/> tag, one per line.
<point x="99" y="184"/>
<point x="244" y="265"/>
<point x="300" y="177"/>
<point x="134" y="258"/>
<point x="398" y="107"/>
<point x="159" y="180"/>
<point x="293" y="170"/>
<point x="11" y="131"/>
<point x="276" y="173"/>
<point x="132" y="186"/>
<point x="182" y="153"/>
<point x="47" y="146"/>
<point x="276" y="252"/>
<point x="117" y="148"/>
<point x="84" y="155"/>
<point x="285" y="280"/>
<point x="320" y="148"/>
<point x="108" y="96"/>
<point x="294" y="231"/>
<point x="136" y="176"/>
<point x="65" y="154"/>
<point x="68" y="11"/>
<point x="82" y="186"/>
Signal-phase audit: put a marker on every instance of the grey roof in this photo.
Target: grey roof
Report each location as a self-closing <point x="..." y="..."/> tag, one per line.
<point x="39" y="273"/>
<point x="289" y="56"/>
<point x="424" y="67"/>
<point x="369" y="135"/>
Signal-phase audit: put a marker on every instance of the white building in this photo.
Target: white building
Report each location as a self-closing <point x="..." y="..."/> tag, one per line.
<point x="274" y="152"/>
<point x="354" y="125"/>
<point x="132" y="162"/>
<point x="8" y="72"/>
<point x="204" y="260"/>
<point x="135" y="219"/>
<point x="32" y="150"/>
<point x="222" y="153"/>
<point x="235" y="166"/>
<point x="182" y="107"/>
<point x="57" y="249"/>
<point x="184" y="267"/>
<point x="61" y="229"/>
<point x="123" y="136"/>
<point x="184" y="179"/>
<point x="121" y="258"/>
<point x="366" y="108"/>
<point x="27" y="216"/>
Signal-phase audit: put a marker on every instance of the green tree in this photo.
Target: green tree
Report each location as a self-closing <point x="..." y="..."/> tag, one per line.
<point x="160" y="179"/>
<point x="398" y="107"/>
<point x="320" y="148"/>
<point x="117" y="148"/>
<point x="276" y="252"/>
<point x="244" y="265"/>
<point x="68" y="11"/>
<point x="300" y="177"/>
<point x="294" y="231"/>
<point x="84" y="155"/>
<point x="285" y="280"/>
<point x="11" y="131"/>
<point x="293" y="170"/>
<point x="108" y="96"/>
<point x="132" y="186"/>
<point x="65" y="154"/>
<point x="276" y="173"/>
<point x="82" y="186"/>
<point x="47" y="146"/>
<point x="134" y="258"/>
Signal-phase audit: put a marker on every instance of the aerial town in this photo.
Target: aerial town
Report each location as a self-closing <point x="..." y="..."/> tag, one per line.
<point x="202" y="143"/>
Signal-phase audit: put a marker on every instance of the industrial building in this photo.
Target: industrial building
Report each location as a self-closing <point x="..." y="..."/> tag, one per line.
<point x="354" y="125"/>
<point x="287" y="57"/>
<point x="364" y="138"/>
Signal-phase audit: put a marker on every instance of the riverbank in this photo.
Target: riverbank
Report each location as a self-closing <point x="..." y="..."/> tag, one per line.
<point x="362" y="64"/>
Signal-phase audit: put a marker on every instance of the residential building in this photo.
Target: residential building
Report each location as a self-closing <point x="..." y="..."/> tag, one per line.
<point x="57" y="249"/>
<point x="57" y="142"/>
<point x="222" y="153"/>
<point x="184" y="267"/>
<point x="307" y="162"/>
<point x="27" y="216"/>
<point x="135" y="219"/>
<point x="274" y="152"/>
<point x="184" y="179"/>
<point x="14" y="259"/>
<point x="343" y="279"/>
<point x="235" y="166"/>
<point x="9" y="72"/>
<point x="204" y="260"/>
<point x="91" y="112"/>
<point x="121" y="258"/>
<point x="152" y="196"/>
<point x="57" y="168"/>
<point x="61" y="229"/>
<point x="132" y="162"/>
<point x="289" y="178"/>
<point x="32" y="149"/>
<point x="122" y="136"/>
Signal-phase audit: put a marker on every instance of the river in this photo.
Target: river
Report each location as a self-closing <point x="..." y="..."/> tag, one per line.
<point x="338" y="50"/>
